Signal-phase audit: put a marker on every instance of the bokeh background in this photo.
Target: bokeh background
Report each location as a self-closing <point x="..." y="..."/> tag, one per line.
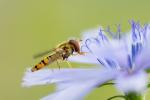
<point x="28" y="27"/>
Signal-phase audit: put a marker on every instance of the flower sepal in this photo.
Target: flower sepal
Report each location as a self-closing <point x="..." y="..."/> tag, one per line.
<point x="147" y="70"/>
<point x="134" y="96"/>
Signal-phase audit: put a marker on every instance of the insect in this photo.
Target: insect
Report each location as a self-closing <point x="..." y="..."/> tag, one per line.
<point x="61" y="52"/>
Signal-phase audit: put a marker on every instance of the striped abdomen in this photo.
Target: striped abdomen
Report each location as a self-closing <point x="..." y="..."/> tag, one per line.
<point x="48" y="60"/>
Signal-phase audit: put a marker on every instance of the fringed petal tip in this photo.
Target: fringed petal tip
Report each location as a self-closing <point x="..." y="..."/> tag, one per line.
<point x="35" y="78"/>
<point x="48" y="76"/>
<point x="25" y="79"/>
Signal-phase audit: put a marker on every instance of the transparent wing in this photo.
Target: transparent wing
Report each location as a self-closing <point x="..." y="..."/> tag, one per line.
<point x="44" y="53"/>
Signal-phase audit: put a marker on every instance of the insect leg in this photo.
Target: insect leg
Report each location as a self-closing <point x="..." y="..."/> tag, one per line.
<point x="58" y="64"/>
<point x="82" y="53"/>
<point x="69" y="64"/>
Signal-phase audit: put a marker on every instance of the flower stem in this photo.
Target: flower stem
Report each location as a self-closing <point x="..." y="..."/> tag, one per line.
<point x="134" y="96"/>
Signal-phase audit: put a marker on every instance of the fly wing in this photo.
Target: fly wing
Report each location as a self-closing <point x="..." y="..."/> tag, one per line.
<point x="44" y="53"/>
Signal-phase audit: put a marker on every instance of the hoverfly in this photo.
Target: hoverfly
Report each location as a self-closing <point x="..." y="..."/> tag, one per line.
<point x="61" y="52"/>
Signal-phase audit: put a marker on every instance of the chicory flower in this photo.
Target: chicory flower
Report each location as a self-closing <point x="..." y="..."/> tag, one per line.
<point x="120" y="58"/>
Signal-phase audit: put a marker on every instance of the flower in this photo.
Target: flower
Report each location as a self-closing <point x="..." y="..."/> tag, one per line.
<point x="121" y="58"/>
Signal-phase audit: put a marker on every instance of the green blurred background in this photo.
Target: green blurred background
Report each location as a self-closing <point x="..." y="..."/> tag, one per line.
<point x="28" y="27"/>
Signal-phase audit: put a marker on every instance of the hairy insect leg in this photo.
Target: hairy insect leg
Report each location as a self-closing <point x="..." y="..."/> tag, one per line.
<point x="69" y="64"/>
<point x="82" y="53"/>
<point x="58" y="64"/>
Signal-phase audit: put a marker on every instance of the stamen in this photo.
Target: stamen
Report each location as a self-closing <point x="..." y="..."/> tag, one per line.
<point x="119" y="31"/>
<point x="100" y="62"/>
<point x="138" y="38"/>
<point x="87" y="43"/>
<point x="109" y="32"/>
<point x="134" y="52"/>
<point x="129" y="61"/>
<point x="111" y="63"/>
<point x="116" y="35"/>
<point x="102" y="36"/>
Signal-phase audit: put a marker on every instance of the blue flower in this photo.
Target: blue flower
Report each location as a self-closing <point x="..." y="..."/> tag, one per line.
<point x="120" y="58"/>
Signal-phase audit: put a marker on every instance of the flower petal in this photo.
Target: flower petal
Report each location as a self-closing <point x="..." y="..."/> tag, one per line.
<point x="76" y="90"/>
<point x="73" y="92"/>
<point x="143" y="59"/>
<point x="49" y="76"/>
<point x="87" y="58"/>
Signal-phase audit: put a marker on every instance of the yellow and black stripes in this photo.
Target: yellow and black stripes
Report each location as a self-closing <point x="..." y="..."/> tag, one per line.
<point x="42" y="64"/>
<point x="48" y="60"/>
